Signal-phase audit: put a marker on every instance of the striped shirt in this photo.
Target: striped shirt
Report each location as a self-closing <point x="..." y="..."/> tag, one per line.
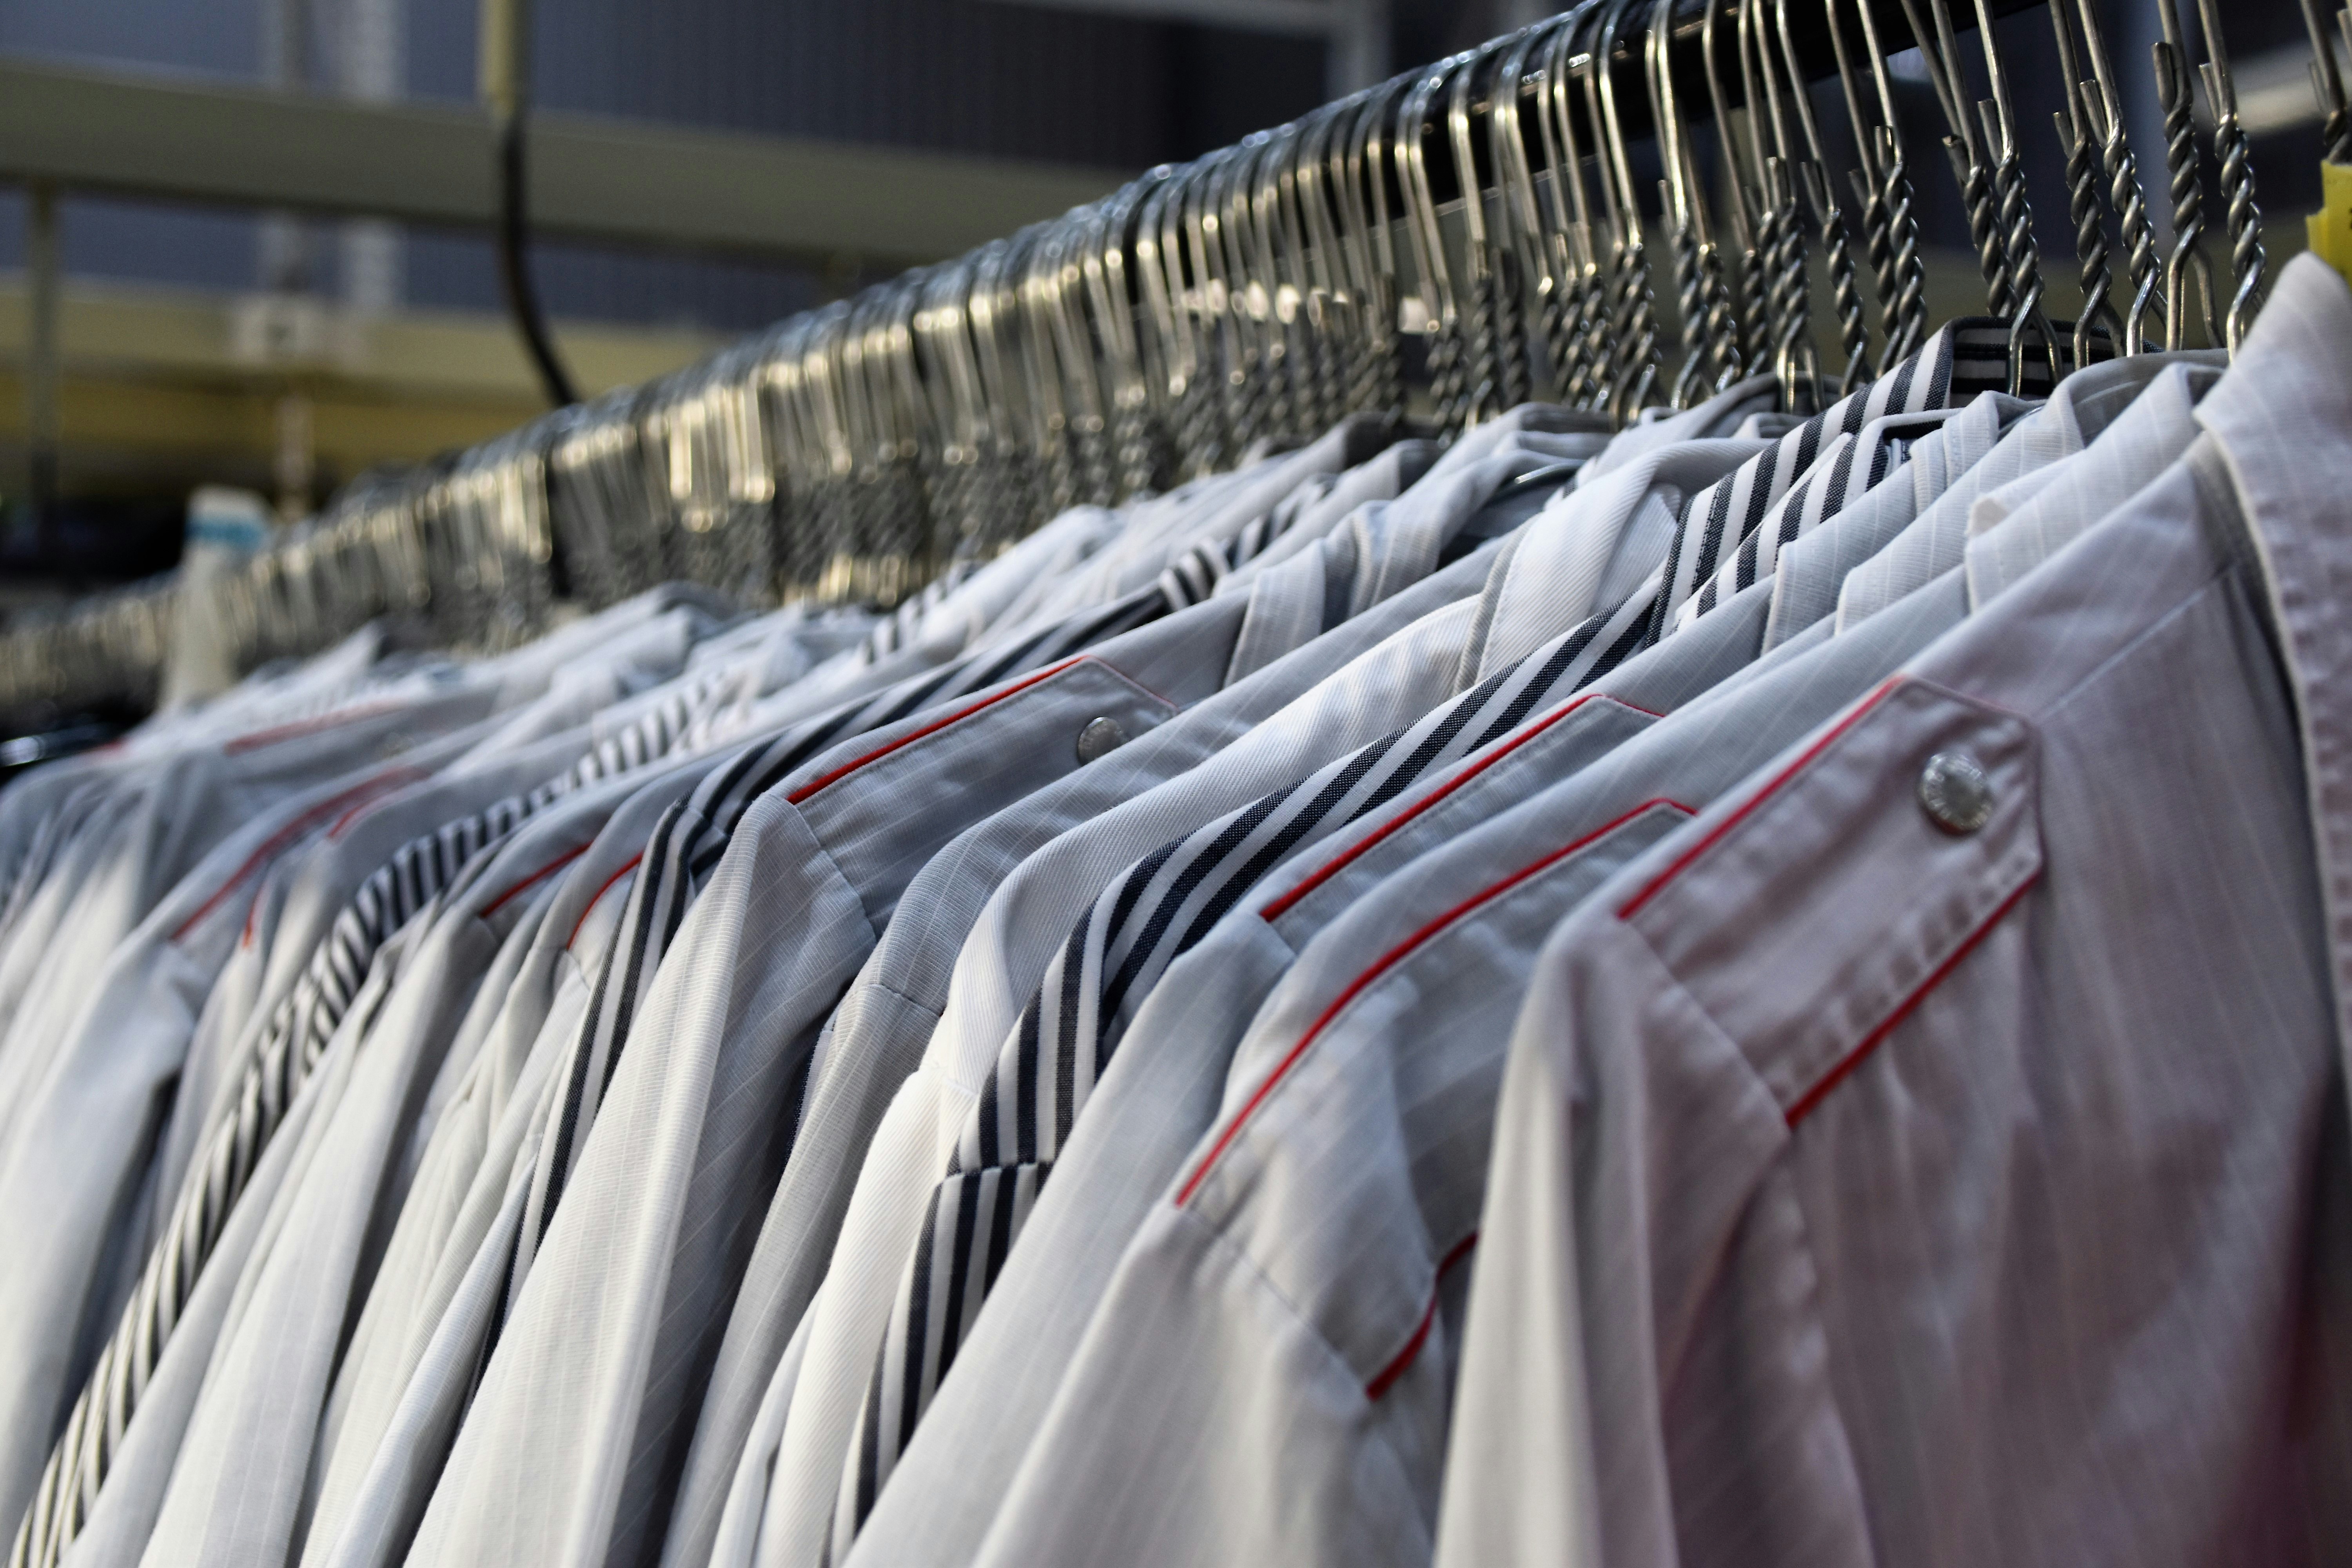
<point x="1850" y="466"/>
<point x="1169" y="900"/>
<point x="1966" y="357"/>
<point x="1072" y="1023"/>
<point x="692" y="837"/>
<point x="297" y="1032"/>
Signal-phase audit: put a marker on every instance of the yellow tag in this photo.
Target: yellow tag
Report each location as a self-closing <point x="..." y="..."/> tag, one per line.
<point x="2330" y="228"/>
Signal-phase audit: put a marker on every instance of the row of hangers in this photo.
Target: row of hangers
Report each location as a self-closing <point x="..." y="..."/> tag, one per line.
<point x="1251" y="298"/>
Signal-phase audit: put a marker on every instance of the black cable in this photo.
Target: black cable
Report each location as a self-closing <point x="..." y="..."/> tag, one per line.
<point x="514" y="269"/>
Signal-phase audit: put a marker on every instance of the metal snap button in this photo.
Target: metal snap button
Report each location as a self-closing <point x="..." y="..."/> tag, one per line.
<point x="1956" y="793"/>
<point x="1101" y="738"/>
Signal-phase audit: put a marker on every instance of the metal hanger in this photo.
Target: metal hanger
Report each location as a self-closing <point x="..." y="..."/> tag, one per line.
<point x="1371" y="159"/>
<point x="1250" y="373"/>
<point x="2075" y="137"/>
<point x="1537" y="222"/>
<point x="2100" y="100"/>
<point x="2020" y="258"/>
<point x="1159" y="258"/>
<point x="1781" y="237"/>
<point x="2187" y="259"/>
<point x="1211" y="426"/>
<point x="1869" y="189"/>
<point x="1578" y="368"/>
<point x="1903" y="288"/>
<point x="1328" y="304"/>
<point x="1497" y="344"/>
<point x="1634" y="323"/>
<point x="1853" y="331"/>
<point x="1448" y="373"/>
<point x="1940" y="48"/>
<point x="1737" y="159"/>
<point x="1485" y="344"/>
<point x="1133" y="452"/>
<point x="1710" y="349"/>
<point x="1307" y="315"/>
<point x="2327" y="87"/>
<point x="1524" y="281"/>
<point x="1275" y="293"/>
<point x="2233" y="149"/>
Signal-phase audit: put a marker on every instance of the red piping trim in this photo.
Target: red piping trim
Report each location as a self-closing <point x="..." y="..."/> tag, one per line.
<point x="935" y="725"/>
<point x="1385" y="1379"/>
<point x="557" y="864"/>
<point x="1469" y="770"/>
<point x="627" y="866"/>
<point x="260" y="738"/>
<point x="1714" y="834"/>
<point x="1853" y="1058"/>
<point x="1381" y="966"/>
<point x="391" y="778"/>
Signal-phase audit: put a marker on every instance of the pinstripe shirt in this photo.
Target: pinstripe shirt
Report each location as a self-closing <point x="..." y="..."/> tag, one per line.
<point x="1848" y="468"/>
<point x="1964" y="358"/>
<point x="1925" y="1222"/>
<point x="239" y="1482"/>
<point x="419" y="1342"/>
<point x="1808" y="571"/>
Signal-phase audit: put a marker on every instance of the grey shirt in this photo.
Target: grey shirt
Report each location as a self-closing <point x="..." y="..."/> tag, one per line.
<point x="1923" y="1220"/>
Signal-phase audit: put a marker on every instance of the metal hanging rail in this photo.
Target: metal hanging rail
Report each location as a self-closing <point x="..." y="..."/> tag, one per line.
<point x="1329" y="267"/>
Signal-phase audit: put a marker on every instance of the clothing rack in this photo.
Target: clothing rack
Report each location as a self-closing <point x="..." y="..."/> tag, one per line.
<point x="1252" y="298"/>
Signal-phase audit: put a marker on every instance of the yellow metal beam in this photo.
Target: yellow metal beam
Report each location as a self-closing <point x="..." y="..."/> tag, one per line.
<point x="167" y="386"/>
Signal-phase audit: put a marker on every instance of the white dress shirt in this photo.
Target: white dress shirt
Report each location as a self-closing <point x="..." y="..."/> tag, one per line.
<point x="86" y="1108"/>
<point x="421" y="1337"/>
<point x="2016" y="527"/>
<point x="240" y="1480"/>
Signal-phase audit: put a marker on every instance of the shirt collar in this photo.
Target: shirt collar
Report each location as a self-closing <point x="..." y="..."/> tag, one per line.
<point x="2283" y="420"/>
<point x="2016" y="527"/>
<point x="1716" y="416"/>
<point x="1963" y="358"/>
<point x="1591" y="545"/>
